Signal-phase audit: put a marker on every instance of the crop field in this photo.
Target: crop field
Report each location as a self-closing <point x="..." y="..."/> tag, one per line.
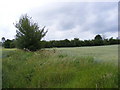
<point x="79" y="67"/>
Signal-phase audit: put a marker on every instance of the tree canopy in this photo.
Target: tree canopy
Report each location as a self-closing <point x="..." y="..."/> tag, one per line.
<point x="98" y="37"/>
<point x="28" y="34"/>
<point x="9" y="43"/>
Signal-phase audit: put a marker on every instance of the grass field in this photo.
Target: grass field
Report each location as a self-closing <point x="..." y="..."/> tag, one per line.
<point x="81" y="67"/>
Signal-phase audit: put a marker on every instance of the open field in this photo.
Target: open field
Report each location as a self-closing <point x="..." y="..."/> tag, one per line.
<point x="81" y="67"/>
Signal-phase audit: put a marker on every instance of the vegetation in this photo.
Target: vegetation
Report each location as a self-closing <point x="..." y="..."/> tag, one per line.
<point x="97" y="41"/>
<point x="81" y="67"/>
<point x="28" y="34"/>
<point x="9" y="43"/>
<point x="51" y="67"/>
<point x="79" y="43"/>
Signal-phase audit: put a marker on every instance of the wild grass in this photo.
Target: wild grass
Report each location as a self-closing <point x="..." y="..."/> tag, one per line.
<point x="61" y="68"/>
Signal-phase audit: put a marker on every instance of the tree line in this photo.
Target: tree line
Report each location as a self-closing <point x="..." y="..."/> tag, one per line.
<point x="79" y="43"/>
<point x="76" y="42"/>
<point x="29" y="36"/>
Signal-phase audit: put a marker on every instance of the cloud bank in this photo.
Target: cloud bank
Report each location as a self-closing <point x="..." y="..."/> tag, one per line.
<point x="75" y="19"/>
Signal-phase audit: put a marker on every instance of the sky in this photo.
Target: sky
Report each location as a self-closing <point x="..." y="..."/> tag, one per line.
<point x="64" y="19"/>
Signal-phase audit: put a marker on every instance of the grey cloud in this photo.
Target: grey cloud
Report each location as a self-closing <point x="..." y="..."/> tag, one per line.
<point x="91" y="17"/>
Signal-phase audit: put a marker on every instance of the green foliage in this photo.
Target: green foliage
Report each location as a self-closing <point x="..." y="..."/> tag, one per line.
<point x="114" y="41"/>
<point x="28" y="34"/>
<point x="85" y="67"/>
<point x="98" y="41"/>
<point x="9" y="44"/>
<point x="98" y="37"/>
<point x="12" y="44"/>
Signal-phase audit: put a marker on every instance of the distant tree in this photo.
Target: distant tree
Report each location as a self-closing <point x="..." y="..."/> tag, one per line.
<point x="88" y="43"/>
<point x="98" y="40"/>
<point x="28" y="34"/>
<point x="106" y="42"/>
<point x="113" y="41"/>
<point x="7" y="43"/>
<point x="98" y="37"/>
<point x="75" y="42"/>
<point x="3" y="39"/>
<point x="66" y="43"/>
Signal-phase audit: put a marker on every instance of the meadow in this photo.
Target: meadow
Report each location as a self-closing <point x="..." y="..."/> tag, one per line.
<point x="79" y="67"/>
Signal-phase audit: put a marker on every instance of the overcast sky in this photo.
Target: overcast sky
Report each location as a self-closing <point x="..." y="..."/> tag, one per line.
<point x="62" y="19"/>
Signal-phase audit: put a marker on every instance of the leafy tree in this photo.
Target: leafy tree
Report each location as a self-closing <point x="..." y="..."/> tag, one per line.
<point x="75" y="42"/>
<point x="67" y="42"/>
<point x="3" y="39"/>
<point x="7" y="43"/>
<point x="98" y="40"/>
<point x="28" y="34"/>
<point x="98" y="37"/>
<point x="106" y="42"/>
<point x="88" y="43"/>
<point x="113" y="41"/>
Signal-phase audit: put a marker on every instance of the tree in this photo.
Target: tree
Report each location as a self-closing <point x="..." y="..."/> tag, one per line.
<point x="7" y="43"/>
<point x="75" y="42"/>
<point x="3" y="39"/>
<point x="113" y="41"/>
<point x="106" y="42"/>
<point x="98" y="40"/>
<point x="98" y="37"/>
<point x="28" y="34"/>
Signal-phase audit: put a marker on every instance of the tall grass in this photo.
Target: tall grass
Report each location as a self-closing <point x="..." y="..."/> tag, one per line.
<point x="57" y="69"/>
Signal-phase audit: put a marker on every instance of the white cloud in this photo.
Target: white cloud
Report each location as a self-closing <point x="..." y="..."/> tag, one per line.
<point x="64" y="20"/>
<point x="109" y="35"/>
